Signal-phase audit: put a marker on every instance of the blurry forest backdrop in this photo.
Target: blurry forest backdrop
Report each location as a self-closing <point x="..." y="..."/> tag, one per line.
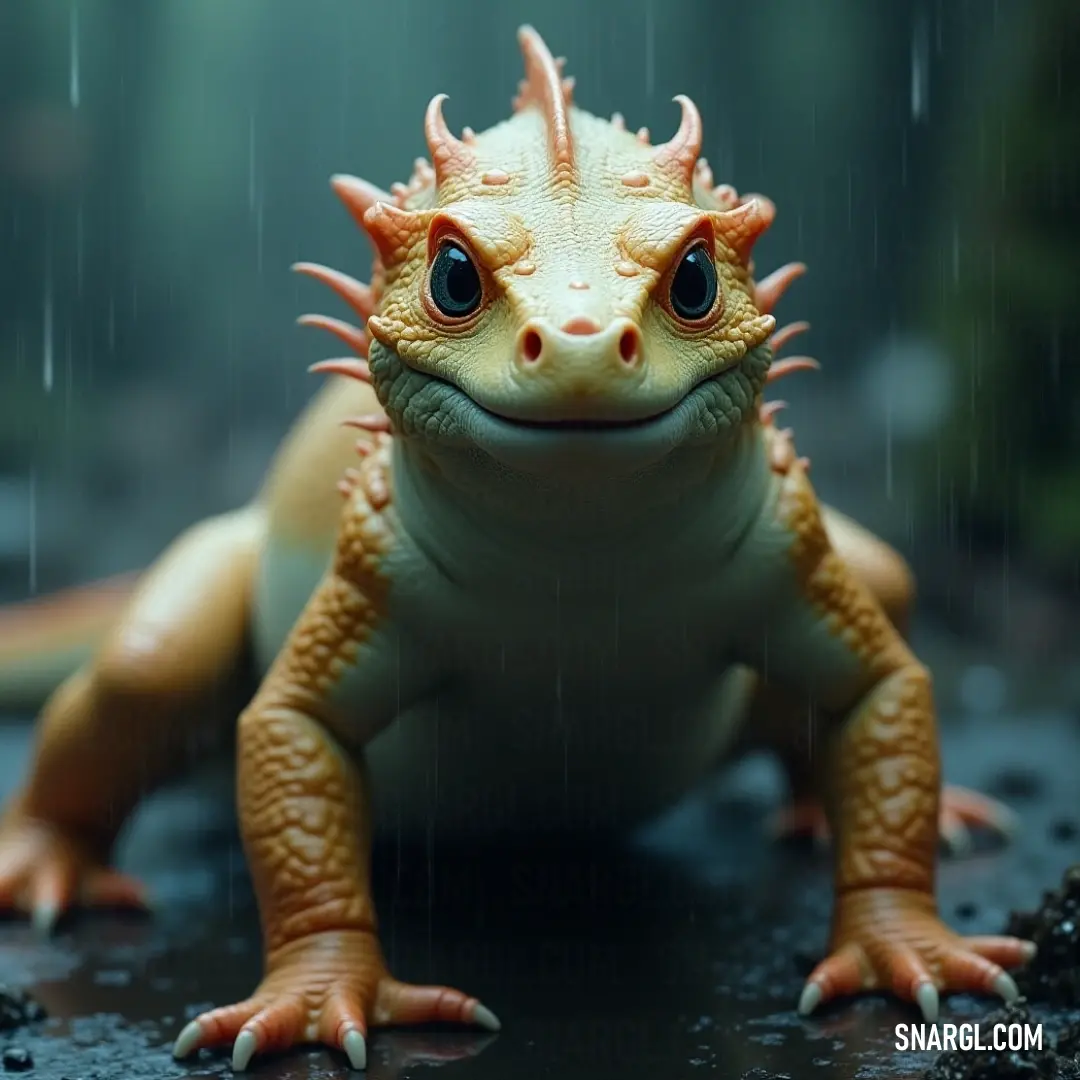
<point x="162" y="164"/>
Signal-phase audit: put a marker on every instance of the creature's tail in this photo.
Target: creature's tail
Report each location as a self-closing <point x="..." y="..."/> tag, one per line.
<point x="42" y="641"/>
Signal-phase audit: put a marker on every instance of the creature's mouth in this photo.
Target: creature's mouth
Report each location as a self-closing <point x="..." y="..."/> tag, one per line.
<point x="592" y="448"/>
<point x="569" y="426"/>
<point x="588" y="425"/>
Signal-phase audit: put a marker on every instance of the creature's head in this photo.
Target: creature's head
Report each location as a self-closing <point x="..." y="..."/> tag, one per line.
<point x="557" y="288"/>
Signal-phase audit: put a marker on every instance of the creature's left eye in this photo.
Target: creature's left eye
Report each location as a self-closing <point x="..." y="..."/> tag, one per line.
<point x="455" y="282"/>
<point x="694" y="286"/>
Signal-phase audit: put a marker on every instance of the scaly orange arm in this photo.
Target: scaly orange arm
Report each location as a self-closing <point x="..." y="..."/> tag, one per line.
<point x="880" y="780"/>
<point x="306" y="822"/>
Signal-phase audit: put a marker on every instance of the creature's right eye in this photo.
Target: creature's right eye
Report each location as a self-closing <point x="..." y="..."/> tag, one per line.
<point x="455" y="282"/>
<point x="694" y="287"/>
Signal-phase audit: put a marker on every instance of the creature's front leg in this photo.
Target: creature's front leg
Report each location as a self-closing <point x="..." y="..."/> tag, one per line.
<point x="306" y="823"/>
<point x="880" y="784"/>
<point x="885" y="574"/>
<point x="883" y="809"/>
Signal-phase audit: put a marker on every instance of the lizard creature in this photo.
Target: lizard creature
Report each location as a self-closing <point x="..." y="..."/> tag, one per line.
<point x="575" y="558"/>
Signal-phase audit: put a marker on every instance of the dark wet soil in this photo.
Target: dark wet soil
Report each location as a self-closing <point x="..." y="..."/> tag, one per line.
<point x="682" y="957"/>
<point x="1054" y="975"/>
<point x="1057" y="1059"/>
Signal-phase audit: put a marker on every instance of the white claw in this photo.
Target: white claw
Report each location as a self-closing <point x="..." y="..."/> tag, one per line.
<point x="244" y="1050"/>
<point x="187" y="1040"/>
<point x="1005" y="987"/>
<point x="1006" y="822"/>
<point x="926" y="997"/>
<point x="44" y="918"/>
<point x="957" y="840"/>
<point x="810" y="999"/>
<point x="485" y="1018"/>
<point x="355" y="1046"/>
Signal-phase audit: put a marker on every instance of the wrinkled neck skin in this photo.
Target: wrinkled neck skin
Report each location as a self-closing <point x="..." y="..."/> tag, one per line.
<point x="490" y="501"/>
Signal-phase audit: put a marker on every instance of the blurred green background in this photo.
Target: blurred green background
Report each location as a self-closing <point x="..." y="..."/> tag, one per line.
<point x="162" y="164"/>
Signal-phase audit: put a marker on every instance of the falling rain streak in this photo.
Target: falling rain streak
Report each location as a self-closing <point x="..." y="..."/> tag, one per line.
<point x="74" y="89"/>
<point x="251" y="163"/>
<point x="920" y="69"/>
<point x="255" y="199"/>
<point x="80" y="249"/>
<point x="47" y="335"/>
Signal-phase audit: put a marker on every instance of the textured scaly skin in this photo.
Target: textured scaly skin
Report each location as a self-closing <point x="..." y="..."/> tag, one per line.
<point x="573" y="518"/>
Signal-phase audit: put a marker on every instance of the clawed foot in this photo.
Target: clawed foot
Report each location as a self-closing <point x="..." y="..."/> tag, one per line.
<point x="44" y="873"/>
<point x="961" y="811"/>
<point x="330" y="988"/>
<point x="892" y="939"/>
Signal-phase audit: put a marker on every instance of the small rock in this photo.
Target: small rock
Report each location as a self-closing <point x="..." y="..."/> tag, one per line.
<point x="18" y="1008"/>
<point x="17" y="1059"/>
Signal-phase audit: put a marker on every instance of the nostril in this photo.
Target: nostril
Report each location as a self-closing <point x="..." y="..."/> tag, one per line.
<point x="531" y="346"/>
<point x="628" y="345"/>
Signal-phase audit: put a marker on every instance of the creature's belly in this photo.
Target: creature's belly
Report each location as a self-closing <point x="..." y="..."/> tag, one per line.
<point x="476" y="768"/>
<point x="591" y="745"/>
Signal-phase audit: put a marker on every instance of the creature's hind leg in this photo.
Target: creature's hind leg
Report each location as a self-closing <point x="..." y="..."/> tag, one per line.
<point x="786" y="727"/>
<point x="162" y="687"/>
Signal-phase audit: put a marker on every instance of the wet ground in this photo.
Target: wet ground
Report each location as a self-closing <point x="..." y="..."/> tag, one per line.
<point x="682" y="957"/>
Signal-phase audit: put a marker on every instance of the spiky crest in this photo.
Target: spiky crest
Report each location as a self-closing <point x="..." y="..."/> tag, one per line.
<point x="356" y="339"/>
<point x="742" y="226"/>
<point x="373" y="422"/>
<point x="348" y="366"/>
<point x="450" y="155"/>
<point x="679" y="156"/>
<point x="786" y="333"/>
<point x="767" y="291"/>
<point x="789" y="366"/>
<point x="545" y="89"/>
<point x="355" y="293"/>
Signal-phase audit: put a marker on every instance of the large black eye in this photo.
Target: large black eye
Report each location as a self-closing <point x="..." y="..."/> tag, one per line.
<point x="455" y="282"/>
<point x="693" y="288"/>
